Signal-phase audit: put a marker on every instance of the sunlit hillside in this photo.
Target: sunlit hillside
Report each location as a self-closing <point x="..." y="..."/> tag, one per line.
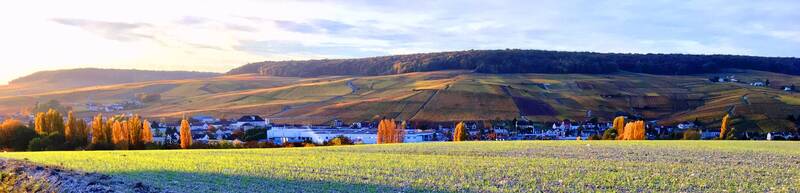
<point x="444" y="96"/>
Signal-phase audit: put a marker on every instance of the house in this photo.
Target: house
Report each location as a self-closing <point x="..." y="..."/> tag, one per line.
<point x="758" y="83"/>
<point x="205" y="118"/>
<point x="337" y="123"/>
<point x="686" y="125"/>
<point x="94" y="107"/>
<point x="251" y="121"/>
<point x="788" y="88"/>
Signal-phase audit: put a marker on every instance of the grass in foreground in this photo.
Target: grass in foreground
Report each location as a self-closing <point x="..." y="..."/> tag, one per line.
<point x="520" y="166"/>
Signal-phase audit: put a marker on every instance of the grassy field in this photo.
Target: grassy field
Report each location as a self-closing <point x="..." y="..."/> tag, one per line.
<point x="519" y="166"/>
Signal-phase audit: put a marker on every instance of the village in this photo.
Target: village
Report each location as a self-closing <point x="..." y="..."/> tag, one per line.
<point x="208" y="129"/>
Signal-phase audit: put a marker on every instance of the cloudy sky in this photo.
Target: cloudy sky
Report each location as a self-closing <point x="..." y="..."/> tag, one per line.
<point x="220" y="35"/>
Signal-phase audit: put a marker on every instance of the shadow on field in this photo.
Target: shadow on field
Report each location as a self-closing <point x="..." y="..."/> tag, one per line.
<point x="214" y="182"/>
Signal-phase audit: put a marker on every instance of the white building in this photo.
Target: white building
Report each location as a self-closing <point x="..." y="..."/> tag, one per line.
<point x="205" y="119"/>
<point x="686" y="125"/>
<point x="282" y="135"/>
<point x="758" y="84"/>
<point x="251" y="121"/>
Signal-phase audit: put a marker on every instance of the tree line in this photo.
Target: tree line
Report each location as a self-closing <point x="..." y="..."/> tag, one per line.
<point x="52" y="131"/>
<point x="523" y="61"/>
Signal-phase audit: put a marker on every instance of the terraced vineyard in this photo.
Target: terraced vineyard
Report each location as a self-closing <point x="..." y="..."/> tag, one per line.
<point x="519" y="166"/>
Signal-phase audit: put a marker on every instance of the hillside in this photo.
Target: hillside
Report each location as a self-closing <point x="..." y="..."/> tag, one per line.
<point x="487" y="166"/>
<point x="523" y="61"/>
<point x="445" y="96"/>
<point x="84" y="77"/>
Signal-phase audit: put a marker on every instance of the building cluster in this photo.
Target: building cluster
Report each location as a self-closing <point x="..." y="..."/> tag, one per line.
<point x="207" y="128"/>
<point x="113" y="107"/>
<point x="254" y="127"/>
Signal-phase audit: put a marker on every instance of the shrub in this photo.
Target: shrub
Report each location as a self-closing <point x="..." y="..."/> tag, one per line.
<point x="255" y="134"/>
<point x="101" y="146"/>
<point x="340" y="140"/>
<point x="266" y="144"/>
<point x="198" y="146"/>
<point x="251" y="144"/>
<point x="610" y="134"/>
<point x="595" y="137"/>
<point x="691" y="134"/>
<point x="37" y="144"/>
<point x="56" y="141"/>
<point x="15" y="136"/>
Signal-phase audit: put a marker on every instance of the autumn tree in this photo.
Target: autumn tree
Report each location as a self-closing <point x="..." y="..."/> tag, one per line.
<point x="387" y="132"/>
<point x="186" y="134"/>
<point x="120" y="135"/>
<point x="101" y="131"/>
<point x="723" y="130"/>
<point x="49" y="122"/>
<point x="619" y="126"/>
<point x="134" y="130"/>
<point x="14" y="135"/>
<point x="460" y="132"/>
<point x="75" y="131"/>
<point x="70" y="128"/>
<point x="400" y="132"/>
<point x="634" y="131"/>
<point x="147" y="132"/>
<point x="40" y="122"/>
<point x="7" y="132"/>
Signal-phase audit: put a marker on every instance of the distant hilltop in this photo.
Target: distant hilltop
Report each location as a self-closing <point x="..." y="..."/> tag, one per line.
<point x="523" y="61"/>
<point x="96" y="76"/>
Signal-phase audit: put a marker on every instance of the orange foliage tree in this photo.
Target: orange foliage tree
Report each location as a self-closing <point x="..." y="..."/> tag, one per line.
<point x="389" y="132"/>
<point x="75" y="131"/>
<point x="460" y="132"/>
<point x="619" y="126"/>
<point x="134" y="129"/>
<point x="100" y="128"/>
<point x="186" y="134"/>
<point x="723" y="130"/>
<point x="120" y="135"/>
<point x="147" y="132"/>
<point x="634" y="131"/>
<point x="7" y="132"/>
<point x="52" y="121"/>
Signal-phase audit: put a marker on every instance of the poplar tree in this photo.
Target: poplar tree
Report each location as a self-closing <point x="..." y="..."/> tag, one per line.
<point x="400" y="133"/>
<point x="147" y="132"/>
<point x="186" y="135"/>
<point x="98" y="130"/>
<point x="70" y="128"/>
<point x="619" y="125"/>
<point x="460" y="132"/>
<point x="40" y="123"/>
<point x="55" y="122"/>
<point x="387" y="131"/>
<point x="723" y="130"/>
<point x="120" y="135"/>
<point x="81" y="133"/>
<point x="134" y="130"/>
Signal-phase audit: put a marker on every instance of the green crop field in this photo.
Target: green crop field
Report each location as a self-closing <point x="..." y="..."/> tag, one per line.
<point x="519" y="166"/>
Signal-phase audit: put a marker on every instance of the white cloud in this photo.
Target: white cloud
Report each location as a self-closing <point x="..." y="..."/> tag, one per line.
<point x="219" y="35"/>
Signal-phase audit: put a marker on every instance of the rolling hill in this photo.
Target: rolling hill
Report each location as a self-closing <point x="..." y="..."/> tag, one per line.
<point x="87" y="77"/>
<point x="453" y="95"/>
<point x="523" y="61"/>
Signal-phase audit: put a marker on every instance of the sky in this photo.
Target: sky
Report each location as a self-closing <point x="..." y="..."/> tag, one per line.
<point x="217" y="36"/>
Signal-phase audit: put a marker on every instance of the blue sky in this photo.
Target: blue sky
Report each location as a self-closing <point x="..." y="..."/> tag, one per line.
<point x="220" y="35"/>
